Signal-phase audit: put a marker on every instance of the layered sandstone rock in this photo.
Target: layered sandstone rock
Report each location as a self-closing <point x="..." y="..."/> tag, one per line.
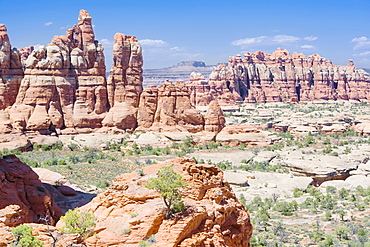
<point x="214" y="118"/>
<point x="11" y="72"/>
<point x="235" y="135"/>
<point x="277" y="77"/>
<point x="124" y="83"/>
<point x="23" y="196"/>
<point x="64" y="83"/>
<point x="64" y="89"/>
<point x="168" y="108"/>
<point x="213" y="215"/>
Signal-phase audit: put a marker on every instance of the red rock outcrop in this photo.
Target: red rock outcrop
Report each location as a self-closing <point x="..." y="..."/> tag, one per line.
<point x="214" y="118"/>
<point x="64" y="84"/>
<point x="213" y="215"/>
<point x="168" y="108"/>
<point x="11" y="72"/>
<point x="277" y="77"/>
<point x="124" y="83"/>
<point x="64" y="89"/>
<point x="23" y="197"/>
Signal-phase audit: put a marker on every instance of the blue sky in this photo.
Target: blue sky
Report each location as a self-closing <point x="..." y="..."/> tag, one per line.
<point x="211" y="31"/>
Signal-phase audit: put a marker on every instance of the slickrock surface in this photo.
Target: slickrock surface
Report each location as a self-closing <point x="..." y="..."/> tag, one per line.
<point x="128" y="212"/>
<point x="279" y="77"/>
<point x="235" y="135"/>
<point x="24" y="199"/>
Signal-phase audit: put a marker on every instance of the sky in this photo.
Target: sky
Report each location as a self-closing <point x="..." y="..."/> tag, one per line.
<point x="209" y="31"/>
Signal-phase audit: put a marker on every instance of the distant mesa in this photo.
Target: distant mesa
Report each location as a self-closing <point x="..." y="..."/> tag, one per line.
<point x="178" y="72"/>
<point x="190" y="64"/>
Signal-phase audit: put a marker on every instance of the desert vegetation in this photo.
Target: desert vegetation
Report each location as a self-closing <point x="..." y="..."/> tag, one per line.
<point x="326" y="218"/>
<point x="315" y="216"/>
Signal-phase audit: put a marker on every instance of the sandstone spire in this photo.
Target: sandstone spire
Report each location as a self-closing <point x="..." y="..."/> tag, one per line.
<point x="10" y="70"/>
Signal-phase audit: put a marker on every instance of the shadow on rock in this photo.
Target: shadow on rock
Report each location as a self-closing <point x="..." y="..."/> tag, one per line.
<point x="67" y="198"/>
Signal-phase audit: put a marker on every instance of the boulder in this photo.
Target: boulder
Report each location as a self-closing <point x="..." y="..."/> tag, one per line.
<point x="21" y="187"/>
<point x="214" y="118"/>
<point x="213" y="215"/>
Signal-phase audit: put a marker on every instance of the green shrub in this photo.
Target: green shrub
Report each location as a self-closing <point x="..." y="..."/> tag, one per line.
<point x="62" y="163"/>
<point x="103" y="184"/>
<point x="297" y="193"/>
<point x="23" y="237"/>
<point x="286" y="208"/>
<point x="342" y="232"/>
<point x="331" y="190"/>
<point x="45" y="147"/>
<point x="168" y="184"/>
<point x="78" y="222"/>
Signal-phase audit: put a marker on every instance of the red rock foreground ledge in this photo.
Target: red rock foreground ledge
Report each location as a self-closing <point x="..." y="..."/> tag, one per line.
<point x="128" y="213"/>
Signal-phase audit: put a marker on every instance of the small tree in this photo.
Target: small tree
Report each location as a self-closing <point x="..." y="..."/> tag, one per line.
<point x="78" y="222"/>
<point x="23" y="237"/>
<point x="168" y="184"/>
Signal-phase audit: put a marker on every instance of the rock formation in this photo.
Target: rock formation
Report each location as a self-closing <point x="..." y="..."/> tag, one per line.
<point x="11" y="72"/>
<point x="24" y="199"/>
<point x="213" y="215"/>
<point x="124" y="83"/>
<point x="278" y="77"/>
<point x="63" y="88"/>
<point x="168" y="108"/>
<point x="64" y="84"/>
<point x="214" y="118"/>
<point x="234" y="135"/>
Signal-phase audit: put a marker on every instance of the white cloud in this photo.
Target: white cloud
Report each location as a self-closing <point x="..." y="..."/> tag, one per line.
<point x="48" y="23"/>
<point x="285" y="39"/>
<point x="249" y="41"/>
<point x="65" y="27"/>
<point x="266" y="40"/>
<point x="307" y="46"/>
<point x="365" y="53"/>
<point x="310" y="38"/>
<point x="152" y="42"/>
<point x="176" y="48"/>
<point x="361" y="39"/>
<point x="35" y="47"/>
<point x="362" y="42"/>
<point x="106" y="42"/>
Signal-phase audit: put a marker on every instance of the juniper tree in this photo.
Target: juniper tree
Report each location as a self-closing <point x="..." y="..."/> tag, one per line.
<point x="168" y="184"/>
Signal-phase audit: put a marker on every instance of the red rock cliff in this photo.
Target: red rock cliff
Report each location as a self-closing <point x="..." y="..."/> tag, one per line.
<point x="23" y="197"/>
<point x="276" y="77"/>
